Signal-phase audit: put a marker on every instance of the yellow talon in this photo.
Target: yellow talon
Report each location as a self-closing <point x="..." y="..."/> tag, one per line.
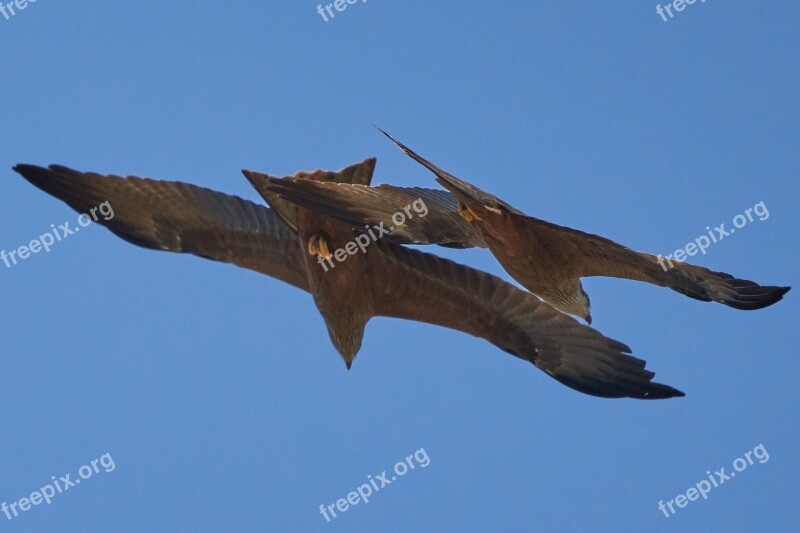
<point x="323" y="249"/>
<point x="467" y="213"/>
<point x="317" y="245"/>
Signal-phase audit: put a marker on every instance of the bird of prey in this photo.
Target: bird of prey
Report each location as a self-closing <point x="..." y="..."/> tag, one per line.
<point x="388" y="280"/>
<point x="545" y="258"/>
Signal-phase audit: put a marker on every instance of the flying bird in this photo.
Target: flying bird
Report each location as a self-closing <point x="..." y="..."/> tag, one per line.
<point x="387" y="280"/>
<point x="545" y="258"/>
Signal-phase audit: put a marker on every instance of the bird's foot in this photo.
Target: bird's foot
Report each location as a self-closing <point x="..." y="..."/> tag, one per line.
<point x="317" y="245"/>
<point x="467" y="213"/>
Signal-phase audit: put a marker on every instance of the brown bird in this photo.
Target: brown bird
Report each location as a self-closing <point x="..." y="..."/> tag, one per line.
<point x="387" y="280"/>
<point x="545" y="258"/>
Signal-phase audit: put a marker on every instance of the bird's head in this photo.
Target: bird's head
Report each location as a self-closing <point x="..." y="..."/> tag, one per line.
<point x="346" y="334"/>
<point x="584" y="306"/>
<point x="574" y="301"/>
<point x="348" y="344"/>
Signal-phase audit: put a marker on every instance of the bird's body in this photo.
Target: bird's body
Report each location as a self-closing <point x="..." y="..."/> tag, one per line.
<point x="343" y="294"/>
<point x="530" y="262"/>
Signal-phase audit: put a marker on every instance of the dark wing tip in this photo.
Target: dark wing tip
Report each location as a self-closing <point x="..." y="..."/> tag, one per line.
<point x="750" y="296"/>
<point x="28" y="171"/>
<point x="33" y="171"/>
<point x="706" y="285"/>
<point x="638" y="388"/>
<point x="605" y="369"/>
<point x="47" y="179"/>
<point x="651" y="391"/>
<point x="659" y="391"/>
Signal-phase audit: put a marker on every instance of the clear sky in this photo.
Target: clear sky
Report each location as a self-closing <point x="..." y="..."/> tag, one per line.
<point x="216" y="391"/>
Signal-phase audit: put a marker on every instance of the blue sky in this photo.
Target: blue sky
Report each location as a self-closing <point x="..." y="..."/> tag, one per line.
<point x="216" y="390"/>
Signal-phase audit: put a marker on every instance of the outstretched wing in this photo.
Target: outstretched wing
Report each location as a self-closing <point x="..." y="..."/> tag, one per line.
<point x="418" y="286"/>
<point x="582" y="254"/>
<point x="178" y="217"/>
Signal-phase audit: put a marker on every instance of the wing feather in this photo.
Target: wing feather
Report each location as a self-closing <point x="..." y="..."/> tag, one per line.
<point x="423" y="287"/>
<point x="183" y="218"/>
<point x="582" y="254"/>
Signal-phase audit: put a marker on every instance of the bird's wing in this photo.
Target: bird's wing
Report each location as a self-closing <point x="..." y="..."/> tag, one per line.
<point x="359" y="206"/>
<point x="577" y="254"/>
<point x="418" y="286"/>
<point x="179" y="217"/>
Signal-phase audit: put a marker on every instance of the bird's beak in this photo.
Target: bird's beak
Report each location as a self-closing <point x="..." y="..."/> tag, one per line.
<point x="589" y="319"/>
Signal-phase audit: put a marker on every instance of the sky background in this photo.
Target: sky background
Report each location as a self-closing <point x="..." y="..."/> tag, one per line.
<point x="216" y="390"/>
